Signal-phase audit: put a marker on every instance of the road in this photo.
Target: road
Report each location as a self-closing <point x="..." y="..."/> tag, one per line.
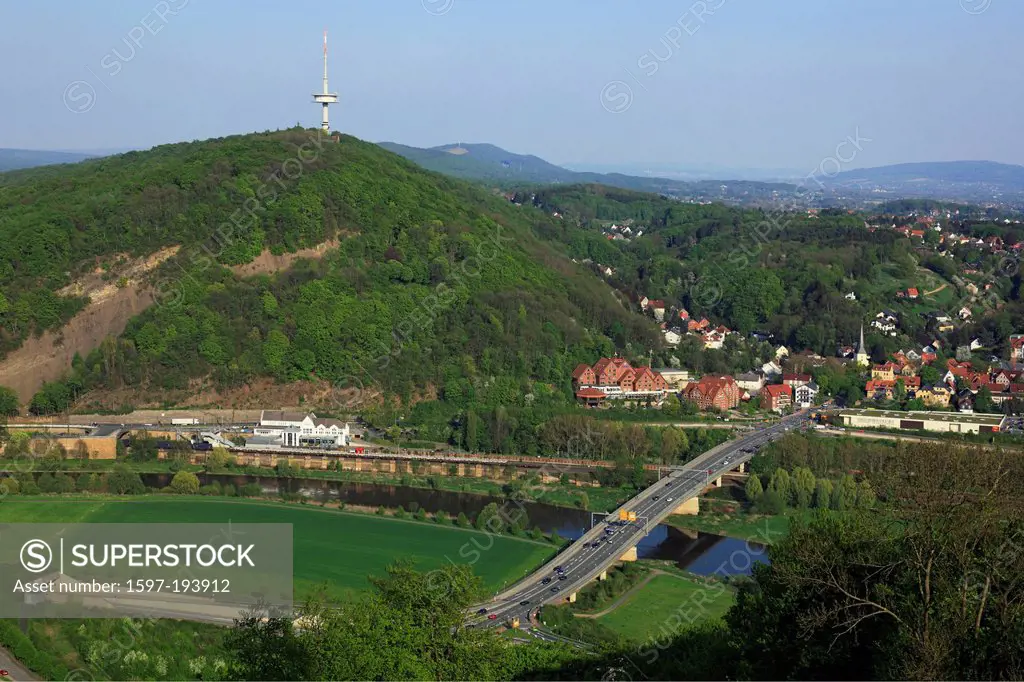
<point x="598" y="549"/>
<point x="15" y="670"/>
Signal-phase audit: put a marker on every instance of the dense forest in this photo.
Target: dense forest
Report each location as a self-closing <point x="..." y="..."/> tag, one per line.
<point x="436" y="284"/>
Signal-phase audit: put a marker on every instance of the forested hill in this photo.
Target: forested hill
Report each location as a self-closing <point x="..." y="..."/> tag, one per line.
<point x="435" y="283"/>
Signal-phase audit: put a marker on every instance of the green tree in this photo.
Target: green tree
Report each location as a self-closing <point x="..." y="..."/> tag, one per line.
<point x="462" y="521"/>
<point x="803" y="485"/>
<point x="674" y="445"/>
<point x="9" y="404"/>
<point x="185" y="483"/>
<point x="124" y="481"/>
<point x="753" y="489"/>
<point x="865" y="495"/>
<point x="406" y="628"/>
<point x="983" y="401"/>
<point x="844" y="496"/>
<point x="780" y="484"/>
<point x="823" y="494"/>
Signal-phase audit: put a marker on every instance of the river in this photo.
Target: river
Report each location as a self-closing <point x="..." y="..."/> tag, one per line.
<point x="701" y="553"/>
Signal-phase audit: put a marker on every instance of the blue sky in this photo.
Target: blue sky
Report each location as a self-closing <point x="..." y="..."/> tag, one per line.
<point x="756" y="83"/>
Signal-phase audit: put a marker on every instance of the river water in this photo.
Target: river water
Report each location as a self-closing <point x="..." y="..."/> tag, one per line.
<point x="701" y="553"/>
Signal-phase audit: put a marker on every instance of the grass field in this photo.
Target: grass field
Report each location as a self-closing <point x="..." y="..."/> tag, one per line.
<point x="337" y="548"/>
<point x="764" y="530"/>
<point x="665" y="604"/>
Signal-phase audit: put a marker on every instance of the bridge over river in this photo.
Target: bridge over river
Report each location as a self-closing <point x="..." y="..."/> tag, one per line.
<point x="591" y="555"/>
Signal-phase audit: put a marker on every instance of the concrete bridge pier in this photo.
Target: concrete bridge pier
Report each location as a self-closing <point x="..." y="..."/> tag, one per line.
<point x="744" y="467"/>
<point x="717" y="482"/>
<point x="571" y="598"/>
<point x="690" y="507"/>
<point x="603" y="576"/>
<point x="630" y="554"/>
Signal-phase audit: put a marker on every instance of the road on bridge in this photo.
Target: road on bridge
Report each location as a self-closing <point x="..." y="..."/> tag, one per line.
<point x="599" y="548"/>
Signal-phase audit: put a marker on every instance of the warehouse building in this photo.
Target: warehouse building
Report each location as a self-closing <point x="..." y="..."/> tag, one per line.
<point x="943" y="422"/>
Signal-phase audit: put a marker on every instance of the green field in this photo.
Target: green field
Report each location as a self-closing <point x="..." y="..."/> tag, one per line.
<point x="666" y="604"/>
<point x="337" y="548"/>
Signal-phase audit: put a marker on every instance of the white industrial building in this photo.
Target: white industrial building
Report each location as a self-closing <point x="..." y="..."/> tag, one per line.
<point x="298" y="429"/>
<point x="943" y="422"/>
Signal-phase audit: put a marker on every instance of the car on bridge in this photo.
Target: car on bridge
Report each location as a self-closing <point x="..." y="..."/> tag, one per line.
<point x="481" y="612"/>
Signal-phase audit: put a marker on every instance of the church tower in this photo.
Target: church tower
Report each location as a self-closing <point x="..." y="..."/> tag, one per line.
<point x="862" y="351"/>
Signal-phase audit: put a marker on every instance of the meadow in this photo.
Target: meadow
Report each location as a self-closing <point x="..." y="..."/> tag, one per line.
<point x="667" y="603"/>
<point x="336" y="549"/>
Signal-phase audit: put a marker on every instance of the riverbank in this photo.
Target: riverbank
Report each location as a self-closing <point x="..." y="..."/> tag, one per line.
<point x="756" y="528"/>
<point x="526" y="488"/>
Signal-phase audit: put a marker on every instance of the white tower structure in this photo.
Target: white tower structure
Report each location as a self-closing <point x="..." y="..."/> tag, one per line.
<point x="325" y="98"/>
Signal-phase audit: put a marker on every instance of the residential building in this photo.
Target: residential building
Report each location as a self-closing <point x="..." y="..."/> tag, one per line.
<point x="793" y="379"/>
<point x="751" y="382"/>
<point x="885" y="371"/>
<point x="771" y="369"/>
<point x="934" y="396"/>
<point x="805" y="395"/>
<point x="776" y="397"/>
<point x="672" y="338"/>
<point x="1017" y="347"/>
<point x="720" y="392"/>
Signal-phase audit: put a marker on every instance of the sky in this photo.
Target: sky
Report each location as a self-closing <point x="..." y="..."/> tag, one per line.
<point x="724" y="83"/>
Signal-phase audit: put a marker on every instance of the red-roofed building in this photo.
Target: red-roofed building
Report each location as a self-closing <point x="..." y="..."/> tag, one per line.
<point x="912" y="293"/>
<point x="616" y="378"/>
<point x="583" y="375"/>
<point x="696" y="326"/>
<point x="591" y="397"/>
<point x="776" y="397"/>
<point x="793" y="380"/>
<point x="720" y="392"/>
<point x="1017" y="347"/>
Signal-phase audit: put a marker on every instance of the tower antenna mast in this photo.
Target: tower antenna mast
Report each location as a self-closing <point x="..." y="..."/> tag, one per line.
<point x="325" y="98"/>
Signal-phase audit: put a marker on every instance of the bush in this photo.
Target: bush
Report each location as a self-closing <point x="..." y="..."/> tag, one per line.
<point x="228" y="490"/>
<point x="381" y="511"/>
<point x="251" y="490"/>
<point x="184" y="483"/>
<point x="210" y="489"/>
<point x="48" y="667"/>
<point x="421" y="514"/>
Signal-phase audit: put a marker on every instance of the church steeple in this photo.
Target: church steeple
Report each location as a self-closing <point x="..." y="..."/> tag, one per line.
<point x="862" y="352"/>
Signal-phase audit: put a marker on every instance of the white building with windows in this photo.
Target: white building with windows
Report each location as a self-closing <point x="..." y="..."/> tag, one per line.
<point x="298" y="429"/>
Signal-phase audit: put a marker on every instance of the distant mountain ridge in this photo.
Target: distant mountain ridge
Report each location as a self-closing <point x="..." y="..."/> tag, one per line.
<point x="974" y="181"/>
<point x="13" y="159"/>
<point x="489" y="163"/>
<point x="943" y="171"/>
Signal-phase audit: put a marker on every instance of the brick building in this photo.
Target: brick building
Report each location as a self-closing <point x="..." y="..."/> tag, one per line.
<point x="721" y="392"/>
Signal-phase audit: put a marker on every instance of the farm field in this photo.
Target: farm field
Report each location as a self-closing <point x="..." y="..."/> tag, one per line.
<point x="666" y="603"/>
<point x="331" y="548"/>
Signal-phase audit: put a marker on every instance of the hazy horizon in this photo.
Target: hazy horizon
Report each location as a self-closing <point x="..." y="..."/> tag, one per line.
<point x="744" y="85"/>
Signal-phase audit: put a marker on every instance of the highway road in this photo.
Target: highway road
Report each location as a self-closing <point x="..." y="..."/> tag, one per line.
<point x="599" y="548"/>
